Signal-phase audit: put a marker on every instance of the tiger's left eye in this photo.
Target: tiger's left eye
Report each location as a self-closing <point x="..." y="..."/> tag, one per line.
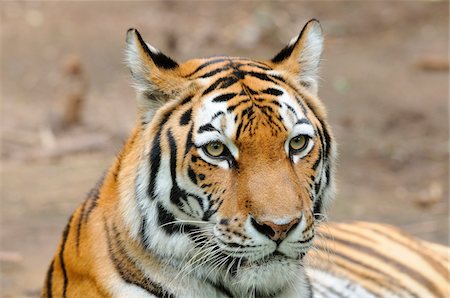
<point x="215" y="149"/>
<point x="298" y="143"/>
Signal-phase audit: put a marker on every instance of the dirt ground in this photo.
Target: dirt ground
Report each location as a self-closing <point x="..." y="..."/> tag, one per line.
<point x="384" y="81"/>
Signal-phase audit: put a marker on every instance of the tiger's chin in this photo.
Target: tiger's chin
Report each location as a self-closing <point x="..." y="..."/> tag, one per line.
<point x="272" y="276"/>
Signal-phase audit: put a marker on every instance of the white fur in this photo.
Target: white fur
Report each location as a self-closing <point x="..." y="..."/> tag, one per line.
<point x="345" y="287"/>
<point x="309" y="57"/>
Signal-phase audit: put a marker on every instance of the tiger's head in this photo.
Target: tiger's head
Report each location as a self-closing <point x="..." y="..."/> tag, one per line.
<point x="232" y="163"/>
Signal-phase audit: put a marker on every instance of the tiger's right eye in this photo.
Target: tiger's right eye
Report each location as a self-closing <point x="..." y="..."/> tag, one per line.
<point x="215" y="149"/>
<point x="298" y="144"/>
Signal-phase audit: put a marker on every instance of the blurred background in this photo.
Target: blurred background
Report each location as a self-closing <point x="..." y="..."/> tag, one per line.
<point x="67" y="105"/>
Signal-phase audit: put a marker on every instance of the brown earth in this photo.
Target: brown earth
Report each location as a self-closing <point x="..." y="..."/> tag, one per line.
<point x="384" y="81"/>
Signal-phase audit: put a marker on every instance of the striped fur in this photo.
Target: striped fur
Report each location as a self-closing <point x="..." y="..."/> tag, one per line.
<point x="363" y="259"/>
<point x="169" y="219"/>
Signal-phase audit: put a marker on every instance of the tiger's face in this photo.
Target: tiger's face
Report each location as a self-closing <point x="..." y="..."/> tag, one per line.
<point x="253" y="153"/>
<point x="236" y="162"/>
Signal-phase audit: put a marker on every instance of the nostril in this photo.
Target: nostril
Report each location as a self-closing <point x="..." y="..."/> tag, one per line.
<point x="274" y="231"/>
<point x="263" y="229"/>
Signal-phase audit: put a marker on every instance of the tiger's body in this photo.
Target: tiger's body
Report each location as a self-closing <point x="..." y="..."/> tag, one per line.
<point x="219" y="190"/>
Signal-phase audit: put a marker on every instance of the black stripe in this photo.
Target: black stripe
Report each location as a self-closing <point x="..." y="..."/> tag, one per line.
<point x="224" y="97"/>
<point x="93" y="196"/>
<point x="214" y="72"/>
<point x="305" y="112"/>
<point x="207" y="127"/>
<point x="317" y="162"/>
<point x="290" y="108"/>
<point x="80" y="219"/>
<point x="164" y="61"/>
<point x="302" y="121"/>
<point x="173" y="156"/>
<point x="249" y="90"/>
<point x="155" y="162"/>
<point x="261" y="76"/>
<point x="186" y="100"/>
<point x="189" y="142"/>
<point x="217" y="115"/>
<point x="309" y="239"/>
<point x="164" y="218"/>
<point x="327" y="137"/>
<point x="211" y="211"/>
<point x="284" y="53"/>
<point x="272" y="91"/>
<point x="192" y="175"/>
<point x="233" y="107"/>
<point x="318" y="208"/>
<point x="221" y="83"/>
<point x="259" y="65"/>
<point x="239" y="130"/>
<point x="186" y="117"/>
<point x="208" y="63"/>
<point x="142" y="230"/>
<point x="176" y="194"/>
<point x="50" y="279"/>
<point x="61" y="256"/>
<point x="155" y="155"/>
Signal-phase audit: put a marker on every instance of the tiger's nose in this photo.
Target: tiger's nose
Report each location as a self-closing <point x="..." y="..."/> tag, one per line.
<point x="274" y="231"/>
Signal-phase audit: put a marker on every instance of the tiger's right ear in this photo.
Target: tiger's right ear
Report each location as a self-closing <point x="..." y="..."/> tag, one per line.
<point x="155" y="75"/>
<point x="301" y="57"/>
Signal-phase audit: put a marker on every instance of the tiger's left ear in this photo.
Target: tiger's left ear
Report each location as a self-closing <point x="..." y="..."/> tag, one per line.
<point x="156" y="76"/>
<point x="301" y="57"/>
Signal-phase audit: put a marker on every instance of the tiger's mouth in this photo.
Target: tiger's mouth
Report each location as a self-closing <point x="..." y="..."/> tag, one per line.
<point x="278" y="256"/>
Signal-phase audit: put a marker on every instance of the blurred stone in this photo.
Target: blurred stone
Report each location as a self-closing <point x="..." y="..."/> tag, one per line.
<point x="10" y="257"/>
<point x="68" y="108"/>
<point x="430" y="196"/>
<point x="433" y="63"/>
<point x="72" y="65"/>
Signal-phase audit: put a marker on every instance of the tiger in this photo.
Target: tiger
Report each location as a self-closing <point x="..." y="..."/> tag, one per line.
<point x="222" y="188"/>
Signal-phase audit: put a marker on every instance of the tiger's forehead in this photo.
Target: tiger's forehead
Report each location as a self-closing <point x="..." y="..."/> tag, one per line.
<point x="240" y="97"/>
<point x="209" y="67"/>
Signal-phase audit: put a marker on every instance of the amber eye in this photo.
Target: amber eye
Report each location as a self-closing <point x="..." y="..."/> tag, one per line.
<point x="215" y="149"/>
<point x="298" y="143"/>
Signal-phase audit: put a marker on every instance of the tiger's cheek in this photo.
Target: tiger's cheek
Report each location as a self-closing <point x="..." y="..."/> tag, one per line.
<point x="212" y="180"/>
<point x="219" y="185"/>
